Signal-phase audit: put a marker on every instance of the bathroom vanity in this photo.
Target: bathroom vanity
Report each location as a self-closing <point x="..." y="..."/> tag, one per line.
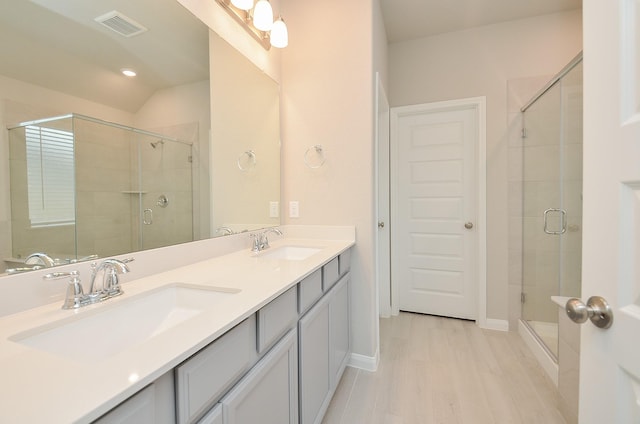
<point x="268" y="345"/>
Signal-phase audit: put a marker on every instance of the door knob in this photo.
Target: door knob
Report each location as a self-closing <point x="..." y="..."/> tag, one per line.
<point x="468" y="225"/>
<point x="597" y="310"/>
<point x="381" y="224"/>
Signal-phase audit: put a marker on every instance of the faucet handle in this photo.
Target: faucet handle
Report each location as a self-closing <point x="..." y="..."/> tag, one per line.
<point x="58" y="275"/>
<point x="110" y="281"/>
<point x="75" y="296"/>
<point x="265" y="239"/>
<point x="256" y="242"/>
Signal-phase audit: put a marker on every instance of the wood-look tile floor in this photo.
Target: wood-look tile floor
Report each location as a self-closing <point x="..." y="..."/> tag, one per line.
<point x="441" y="370"/>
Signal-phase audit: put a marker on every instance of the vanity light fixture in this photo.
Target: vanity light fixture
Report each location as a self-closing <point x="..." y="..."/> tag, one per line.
<point x="128" y="72"/>
<point x="258" y="21"/>
<point x="263" y="15"/>
<point x="243" y="4"/>
<point x="279" y="34"/>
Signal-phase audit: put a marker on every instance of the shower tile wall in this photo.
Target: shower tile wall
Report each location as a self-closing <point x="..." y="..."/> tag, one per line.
<point x="572" y="181"/>
<point x="103" y="185"/>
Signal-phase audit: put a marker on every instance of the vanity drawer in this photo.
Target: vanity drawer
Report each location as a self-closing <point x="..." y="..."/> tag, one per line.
<point x="206" y="376"/>
<point x="344" y="261"/>
<point x="276" y="318"/>
<point x="330" y="274"/>
<point x="309" y="290"/>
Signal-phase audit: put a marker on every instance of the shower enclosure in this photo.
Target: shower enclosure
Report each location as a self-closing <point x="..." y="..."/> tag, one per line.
<point x="82" y="187"/>
<point x="552" y="201"/>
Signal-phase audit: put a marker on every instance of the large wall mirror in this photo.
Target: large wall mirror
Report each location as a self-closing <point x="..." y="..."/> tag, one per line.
<point x="96" y="164"/>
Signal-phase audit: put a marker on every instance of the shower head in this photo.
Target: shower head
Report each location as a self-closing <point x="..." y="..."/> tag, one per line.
<point x="154" y="144"/>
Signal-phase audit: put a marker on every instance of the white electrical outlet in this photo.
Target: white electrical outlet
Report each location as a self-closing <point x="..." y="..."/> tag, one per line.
<point x="294" y="209"/>
<point x="274" y="209"/>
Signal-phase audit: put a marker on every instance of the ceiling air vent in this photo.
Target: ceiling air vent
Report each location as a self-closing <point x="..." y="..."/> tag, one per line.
<point x="121" y="24"/>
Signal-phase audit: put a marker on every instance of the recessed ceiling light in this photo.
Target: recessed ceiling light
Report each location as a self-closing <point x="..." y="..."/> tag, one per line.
<point x="129" y="72"/>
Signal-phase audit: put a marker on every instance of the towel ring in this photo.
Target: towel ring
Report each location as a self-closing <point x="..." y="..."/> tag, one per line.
<point x="250" y="161"/>
<point x="319" y="154"/>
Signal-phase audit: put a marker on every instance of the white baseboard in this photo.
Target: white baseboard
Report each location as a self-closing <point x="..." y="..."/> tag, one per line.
<point x="495" y="324"/>
<point x="366" y="363"/>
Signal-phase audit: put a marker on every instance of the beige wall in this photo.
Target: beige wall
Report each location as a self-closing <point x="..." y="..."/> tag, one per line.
<point x="327" y="95"/>
<point x="245" y="117"/>
<point x="479" y="62"/>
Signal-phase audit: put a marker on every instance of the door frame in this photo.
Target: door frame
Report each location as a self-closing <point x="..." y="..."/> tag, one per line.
<point x="478" y="104"/>
<point x="383" y="207"/>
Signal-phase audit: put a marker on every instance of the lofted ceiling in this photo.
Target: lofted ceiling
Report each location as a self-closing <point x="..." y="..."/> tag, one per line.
<point x="57" y="44"/>
<point x="411" y="19"/>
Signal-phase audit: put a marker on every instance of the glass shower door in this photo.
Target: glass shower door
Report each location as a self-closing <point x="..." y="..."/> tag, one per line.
<point x="543" y="216"/>
<point x="552" y="204"/>
<point x="166" y="199"/>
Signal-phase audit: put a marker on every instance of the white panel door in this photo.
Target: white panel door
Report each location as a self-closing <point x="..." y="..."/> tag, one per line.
<point x="610" y="359"/>
<point x="435" y="215"/>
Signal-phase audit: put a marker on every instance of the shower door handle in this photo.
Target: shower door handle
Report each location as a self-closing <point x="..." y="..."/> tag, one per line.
<point x="597" y="310"/>
<point x="563" y="213"/>
<point x="147" y="217"/>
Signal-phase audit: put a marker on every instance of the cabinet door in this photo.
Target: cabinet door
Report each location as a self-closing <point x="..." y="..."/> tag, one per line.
<point x="268" y="394"/>
<point x="202" y="379"/>
<point x="339" y="330"/>
<point x="213" y="417"/>
<point x="152" y="405"/>
<point x="314" y="362"/>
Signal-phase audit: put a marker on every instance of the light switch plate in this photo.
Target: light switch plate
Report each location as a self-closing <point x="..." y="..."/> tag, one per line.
<point x="294" y="209"/>
<point x="274" y="209"/>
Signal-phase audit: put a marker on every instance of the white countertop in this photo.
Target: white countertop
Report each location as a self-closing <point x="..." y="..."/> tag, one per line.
<point x="38" y="387"/>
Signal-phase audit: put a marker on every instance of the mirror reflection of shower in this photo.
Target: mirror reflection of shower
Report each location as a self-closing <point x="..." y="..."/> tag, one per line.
<point x="97" y="180"/>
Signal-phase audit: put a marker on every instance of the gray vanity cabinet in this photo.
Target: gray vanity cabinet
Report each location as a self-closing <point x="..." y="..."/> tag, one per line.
<point x="324" y="346"/>
<point x="281" y="365"/>
<point x="268" y="394"/>
<point x="314" y="362"/>
<point x="339" y="330"/>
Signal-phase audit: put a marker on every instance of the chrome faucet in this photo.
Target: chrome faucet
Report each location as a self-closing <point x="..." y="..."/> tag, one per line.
<point x="261" y="241"/>
<point x="111" y="268"/>
<point x="76" y="297"/>
<point x="40" y="258"/>
<point x="225" y="231"/>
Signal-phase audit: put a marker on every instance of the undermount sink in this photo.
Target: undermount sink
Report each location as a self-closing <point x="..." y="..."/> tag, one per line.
<point x="111" y="329"/>
<point x="291" y="253"/>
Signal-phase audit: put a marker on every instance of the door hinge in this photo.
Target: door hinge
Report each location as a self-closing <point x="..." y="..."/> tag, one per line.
<point x="523" y="297"/>
<point x="524" y="133"/>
